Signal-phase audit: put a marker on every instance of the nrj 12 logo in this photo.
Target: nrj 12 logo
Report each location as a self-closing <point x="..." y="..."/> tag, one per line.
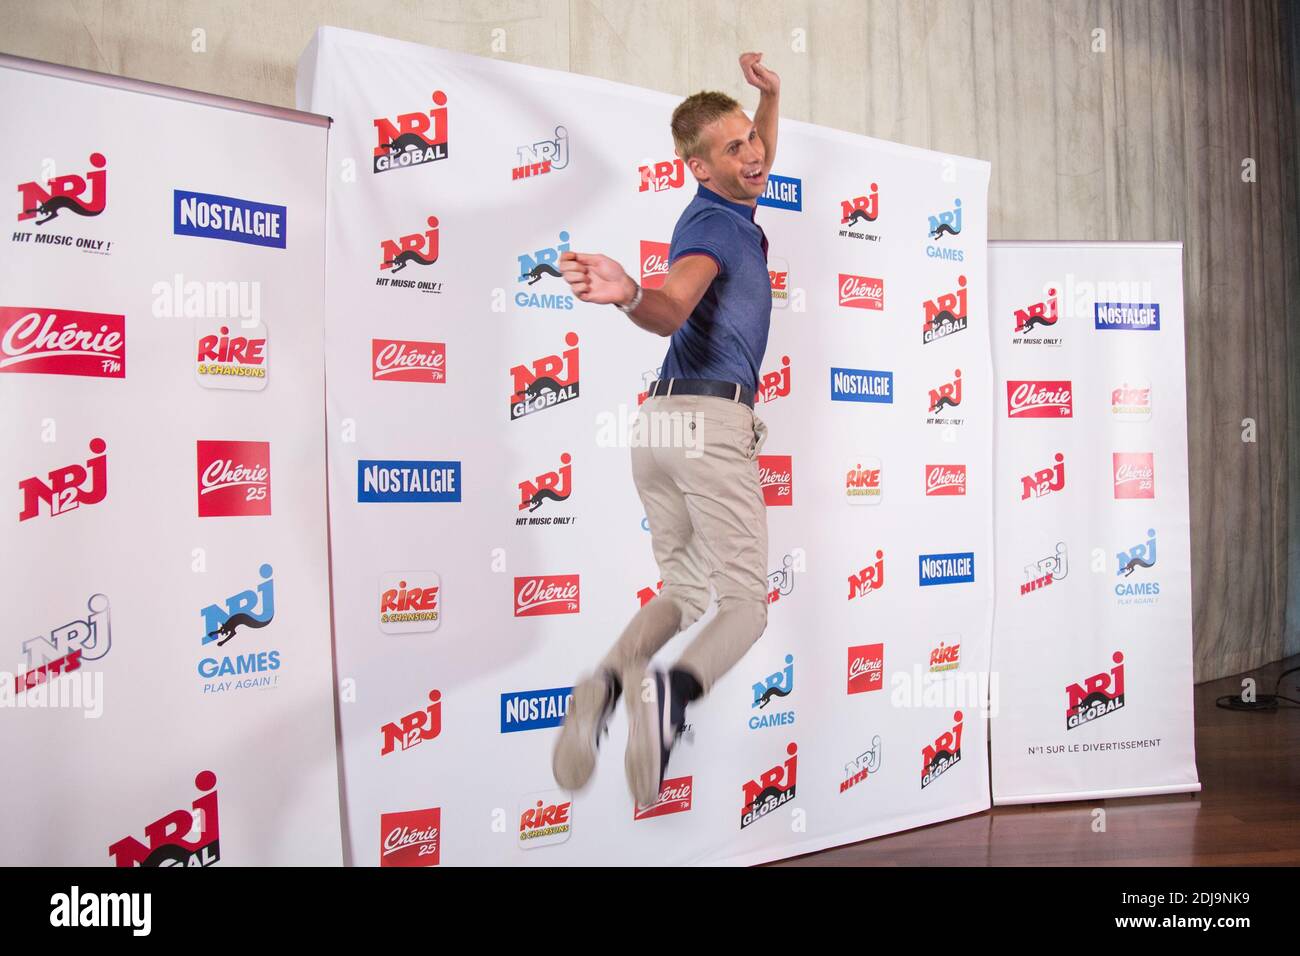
<point x="39" y="341"/>
<point x="772" y="788"/>
<point x="68" y="646"/>
<point x="773" y="385"/>
<point x="413" y="139"/>
<point x="943" y="754"/>
<point x="414" y="728"/>
<point x="234" y="478"/>
<point x="868" y="579"/>
<point x="1098" y="695"/>
<point x="551" y="380"/>
<point x="180" y="838"/>
<point x="663" y="175"/>
<point x="69" y="487"/>
<point x="244" y="611"/>
<point x="1044" y="481"/>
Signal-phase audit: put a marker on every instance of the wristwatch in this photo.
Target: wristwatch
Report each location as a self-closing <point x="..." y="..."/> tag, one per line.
<point x="630" y="307"/>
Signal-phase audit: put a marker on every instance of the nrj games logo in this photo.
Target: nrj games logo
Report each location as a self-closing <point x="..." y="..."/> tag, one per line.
<point x="68" y="646"/>
<point x="67" y="488"/>
<point x="410" y="838"/>
<point x="413" y="139"/>
<point x="1139" y="556"/>
<point x="551" y="381"/>
<point x="944" y="224"/>
<point x="541" y="264"/>
<point x="772" y="788"/>
<point x="240" y="613"/>
<point x="1098" y="695"/>
<point x="40" y="341"/>
<point x="180" y="838"/>
<point x="1045" y="571"/>
<point x="410" y="602"/>
<point x="545" y="817"/>
<point x="779" y="684"/>
<point x="414" y="728"/>
<point x="945" y="314"/>
<point x="234" y="478"/>
<point x="943" y="754"/>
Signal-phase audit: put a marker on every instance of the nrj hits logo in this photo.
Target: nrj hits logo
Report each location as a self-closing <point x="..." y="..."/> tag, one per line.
<point x="1098" y="695"/>
<point x="1139" y="556"/>
<point x="180" y="838"/>
<point x="861" y="766"/>
<point x="943" y="754"/>
<point x="66" y="489"/>
<point x="68" y="646"/>
<point x="414" y="139"/>
<point x="1045" y="571"/>
<point x="543" y="156"/>
<point x="552" y="380"/>
<point x="772" y="789"/>
<point x="240" y="613"/>
<point x="414" y="728"/>
<point x="945" y="314"/>
<point x="779" y="684"/>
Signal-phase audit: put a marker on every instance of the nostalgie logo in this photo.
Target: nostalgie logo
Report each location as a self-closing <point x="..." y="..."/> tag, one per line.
<point x="674" y="797"/>
<point x="778" y="275"/>
<point x="534" y="709"/>
<point x="861" y="292"/>
<point x="538" y="265"/>
<point x="415" y="249"/>
<point x="945" y="314"/>
<point x="179" y="838"/>
<point x="554" y="486"/>
<point x="40" y="341"/>
<point x="381" y="480"/>
<point x="944" y="224"/>
<point x="945" y="480"/>
<point x="869" y="579"/>
<point x="661" y="176"/>
<point x="68" y="646"/>
<point x="1138" y="557"/>
<point x="540" y="594"/>
<point x="1131" y="402"/>
<point x="410" y="838"/>
<point x="551" y="381"/>
<point x="774" y="385"/>
<point x="944" y="397"/>
<point x="1037" y="317"/>
<point x="414" y="728"/>
<point x="1052" y="398"/>
<point x="545" y="817"/>
<point x="234" y="478"/>
<point x="955" y="568"/>
<point x="857" y="211"/>
<point x="413" y="139"/>
<point x="1127" y="316"/>
<point x="775" y="478"/>
<point x="862" y="385"/>
<point x="943" y="754"/>
<point x="654" y="264"/>
<point x="781" y="582"/>
<point x="1044" y="481"/>
<point x="68" y="487"/>
<point x="542" y="157"/>
<point x="1135" y="474"/>
<point x="946" y="657"/>
<point x="208" y="216"/>
<point x="76" y="194"/>
<point x="226" y="361"/>
<point x="782" y="192"/>
<point x="779" y="684"/>
<point x="240" y="613"/>
<point x="862" y="766"/>
<point x="1097" y="696"/>
<point x="410" y="602"/>
<point x="772" y="788"/>
<point x="1043" y="572"/>
<point x="864" y="482"/>
<point x="402" y="360"/>
<point x="866" y="668"/>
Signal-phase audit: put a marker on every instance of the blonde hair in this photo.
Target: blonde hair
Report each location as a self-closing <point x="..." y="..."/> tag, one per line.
<point x="692" y="115"/>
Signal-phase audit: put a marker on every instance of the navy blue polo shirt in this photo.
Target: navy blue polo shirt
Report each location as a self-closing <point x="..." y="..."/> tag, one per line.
<point x="726" y="335"/>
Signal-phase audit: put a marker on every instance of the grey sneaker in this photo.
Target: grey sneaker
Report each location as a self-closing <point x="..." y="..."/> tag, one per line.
<point x="651" y="733"/>
<point x="588" y="718"/>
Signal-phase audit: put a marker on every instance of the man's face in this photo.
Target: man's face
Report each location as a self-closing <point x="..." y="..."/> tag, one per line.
<point x="733" y="163"/>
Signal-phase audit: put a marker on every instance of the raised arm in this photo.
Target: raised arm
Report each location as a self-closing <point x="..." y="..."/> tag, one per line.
<point x="767" y="115"/>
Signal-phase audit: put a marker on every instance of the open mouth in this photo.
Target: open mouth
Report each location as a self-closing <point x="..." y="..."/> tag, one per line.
<point x="753" y="178"/>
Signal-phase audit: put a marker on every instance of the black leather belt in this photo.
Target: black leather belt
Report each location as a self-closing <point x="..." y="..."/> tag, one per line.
<point x="702" y="386"/>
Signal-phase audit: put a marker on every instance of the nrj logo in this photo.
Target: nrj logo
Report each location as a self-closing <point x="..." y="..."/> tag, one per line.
<point x="542" y="157"/>
<point x="864" y="482"/>
<point x="1044" y="481"/>
<point x="772" y="788"/>
<point x="179" y="838"/>
<point x="74" y="193"/>
<point x="862" y="766"/>
<point x="230" y="361"/>
<point x="414" y="728"/>
<point x="551" y="380"/>
<point x="1045" y="571"/>
<point x="417" y="248"/>
<point x="1097" y="696"/>
<point x="39" y="341"/>
<point x="553" y="486"/>
<point x="1134" y="473"/>
<point x="945" y="314"/>
<point x="945" y="397"/>
<point x="858" y="211"/>
<point x="1037" y="316"/>
<point x="238" y="614"/>
<point x="869" y="579"/>
<point x="545" y="818"/>
<point x="774" y="385"/>
<point x="401" y="360"/>
<point x="192" y="299"/>
<point x="661" y="176"/>
<point x="943" y="754"/>
<point x="410" y="602"/>
<point x="412" y="139"/>
<point x="234" y="478"/>
<point x="68" y="646"/>
<point x="68" y="487"/>
<point x="410" y="838"/>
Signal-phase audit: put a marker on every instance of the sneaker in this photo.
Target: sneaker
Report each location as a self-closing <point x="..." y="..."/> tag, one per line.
<point x="652" y="729"/>
<point x="588" y="718"/>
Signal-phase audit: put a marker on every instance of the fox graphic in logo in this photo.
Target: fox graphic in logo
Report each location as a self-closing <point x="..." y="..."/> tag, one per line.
<point x="169" y="836"/>
<point x="947" y="223"/>
<point x="81" y="195"/>
<point x="774" y="788"/>
<point x="67" y="488"/>
<point x="220" y="624"/>
<point x="548" y="486"/>
<point x="945" y="315"/>
<point x="860" y="209"/>
<point x="1045" y="480"/>
<point x="413" y="140"/>
<point x="779" y="684"/>
<point x="1098" y="695"/>
<point x="871" y="578"/>
<point x="420" y="248"/>
<point x="1037" y="314"/>
<point x="947" y="395"/>
<point x="1138" y="556"/>
<point x="552" y="380"/>
<point x="533" y="266"/>
<point x="944" y="753"/>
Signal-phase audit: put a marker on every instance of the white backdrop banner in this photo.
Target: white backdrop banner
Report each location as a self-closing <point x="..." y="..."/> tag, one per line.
<point x="1093" y="612"/>
<point x="166" y="691"/>
<point x="489" y="544"/>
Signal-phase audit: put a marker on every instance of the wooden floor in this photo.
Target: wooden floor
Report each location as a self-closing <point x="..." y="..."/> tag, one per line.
<point x="1247" y="813"/>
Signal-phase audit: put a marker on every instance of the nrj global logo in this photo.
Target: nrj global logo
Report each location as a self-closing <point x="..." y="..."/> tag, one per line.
<point x="1045" y="571"/>
<point x="414" y="728"/>
<point x="227" y="360"/>
<point x="410" y="602"/>
<point x="864" y="482"/>
<point x="1097" y="696"/>
<point x="545" y="382"/>
<point x="234" y="478"/>
<point x="545" y="818"/>
<point x="939" y="757"/>
<point x="412" y="139"/>
<point x="179" y="838"/>
<point x="546" y="155"/>
<point x="68" y="487"/>
<point x="68" y="647"/>
<point x="41" y="341"/>
<point x="410" y="838"/>
<point x="771" y="789"/>
<point x="242" y="612"/>
<point x="945" y="314"/>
